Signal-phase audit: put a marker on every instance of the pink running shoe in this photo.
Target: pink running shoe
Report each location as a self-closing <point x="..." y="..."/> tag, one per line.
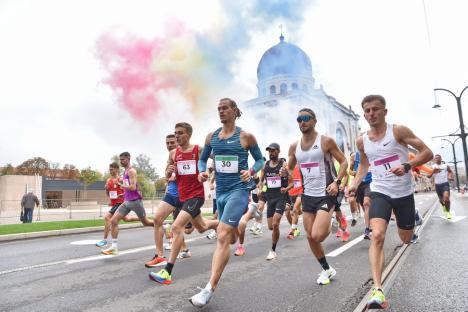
<point x="240" y="251"/>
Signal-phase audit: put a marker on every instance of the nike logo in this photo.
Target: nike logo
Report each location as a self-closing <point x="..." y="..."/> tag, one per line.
<point x="315" y="147"/>
<point x="385" y="144"/>
<point x="190" y="208"/>
<point x="231" y="221"/>
<point x="229" y="142"/>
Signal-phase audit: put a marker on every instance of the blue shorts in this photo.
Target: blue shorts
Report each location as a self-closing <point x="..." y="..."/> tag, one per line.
<point x="172" y="200"/>
<point x="231" y="206"/>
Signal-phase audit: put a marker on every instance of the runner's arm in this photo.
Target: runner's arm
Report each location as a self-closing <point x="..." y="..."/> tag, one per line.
<point x="292" y="161"/>
<point x="404" y="135"/>
<point x="206" y="151"/>
<point x="170" y="168"/>
<point x="333" y="149"/>
<point x="450" y="174"/>
<point x="132" y="176"/>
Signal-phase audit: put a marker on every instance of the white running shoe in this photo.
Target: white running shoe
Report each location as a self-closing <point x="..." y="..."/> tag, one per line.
<point x="167" y="246"/>
<point x="253" y="228"/>
<point x="271" y="255"/>
<point x="325" y="276"/>
<point x="212" y="235"/>
<point x="202" y="298"/>
<point x="184" y="254"/>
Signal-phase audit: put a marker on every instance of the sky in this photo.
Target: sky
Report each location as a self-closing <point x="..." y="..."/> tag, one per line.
<point x="82" y="81"/>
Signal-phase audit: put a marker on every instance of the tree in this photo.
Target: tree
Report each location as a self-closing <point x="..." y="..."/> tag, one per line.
<point x="89" y="176"/>
<point x="142" y="165"/>
<point x="36" y="165"/>
<point x="54" y="170"/>
<point x="8" y="169"/>
<point x="70" y="172"/>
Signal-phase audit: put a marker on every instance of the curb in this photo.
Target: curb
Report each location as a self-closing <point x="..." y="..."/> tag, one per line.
<point x="32" y="235"/>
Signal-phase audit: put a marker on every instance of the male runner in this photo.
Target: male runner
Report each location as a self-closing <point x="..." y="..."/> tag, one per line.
<point x="230" y="146"/>
<point x="385" y="147"/>
<point x="183" y="161"/>
<point x="442" y="174"/>
<point x="116" y="197"/>
<point x="314" y="154"/>
<point x="132" y="202"/>
<point x="276" y="195"/>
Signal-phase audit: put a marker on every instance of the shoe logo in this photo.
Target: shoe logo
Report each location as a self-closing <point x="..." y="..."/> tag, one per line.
<point x="229" y="142"/>
<point x="315" y="147"/>
<point x="385" y="144"/>
<point x="231" y="221"/>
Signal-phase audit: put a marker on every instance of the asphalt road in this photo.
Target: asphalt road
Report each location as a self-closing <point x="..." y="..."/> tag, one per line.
<point x="52" y="274"/>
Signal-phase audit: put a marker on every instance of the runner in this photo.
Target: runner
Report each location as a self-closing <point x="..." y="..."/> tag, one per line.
<point x="314" y="154"/>
<point x="276" y="195"/>
<point x="295" y="192"/>
<point x="116" y="197"/>
<point x="231" y="146"/>
<point x="442" y="174"/>
<point x="183" y="161"/>
<point x="256" y="229"/>
<point x="132" y="202"/>
<point x="385" y="147"/>
<point x="169" y="204"/>
<point x="342" y="231"/>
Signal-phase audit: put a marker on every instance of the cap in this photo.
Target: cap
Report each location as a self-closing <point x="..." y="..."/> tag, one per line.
<point x="273" y="146"/>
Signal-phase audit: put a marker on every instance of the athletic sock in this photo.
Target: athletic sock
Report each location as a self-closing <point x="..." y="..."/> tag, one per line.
<point x="323" y="262"/>
<point x="208" y="286"/>
<point x="169" y="267"/>
<point x="114" y="243"/>
<point x="273" y="247"/>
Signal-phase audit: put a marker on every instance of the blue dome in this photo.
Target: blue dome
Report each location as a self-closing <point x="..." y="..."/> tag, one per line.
<point x="284" y="59"/>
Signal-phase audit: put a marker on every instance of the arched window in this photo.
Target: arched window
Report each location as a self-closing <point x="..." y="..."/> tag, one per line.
<point x="283" y="88"/>
<point x="272" y="90"/>
<point x="295" y="86"/>
<point x="341" y="139"/>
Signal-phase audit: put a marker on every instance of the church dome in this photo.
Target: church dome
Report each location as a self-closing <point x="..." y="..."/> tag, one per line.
<point x="284" y="59"/>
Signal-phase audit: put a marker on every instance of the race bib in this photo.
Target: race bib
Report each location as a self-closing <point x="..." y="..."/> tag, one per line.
<point x="112" y="194"/>
<point x="297" y="183"/>
<point x="310" y="170"/>
<point x="381" y="167"/>
<point x="227" y="164"/>
<point x="273" y="182"/>
<point x="186" y="167"/>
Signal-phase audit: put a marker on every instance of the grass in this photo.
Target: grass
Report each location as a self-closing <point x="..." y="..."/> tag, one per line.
<point x="59" y="225"/>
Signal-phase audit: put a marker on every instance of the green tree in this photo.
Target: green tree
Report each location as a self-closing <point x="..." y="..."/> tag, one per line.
<point x="146" y="186"/>
<point x="143" y="165"/>
<point x="89" y="176"/>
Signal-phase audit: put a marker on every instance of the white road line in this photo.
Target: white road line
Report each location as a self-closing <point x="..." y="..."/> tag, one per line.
<point x="342" y="249"/>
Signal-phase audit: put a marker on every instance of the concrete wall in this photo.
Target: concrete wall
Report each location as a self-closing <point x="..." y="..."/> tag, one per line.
<point x="13" y="187"/>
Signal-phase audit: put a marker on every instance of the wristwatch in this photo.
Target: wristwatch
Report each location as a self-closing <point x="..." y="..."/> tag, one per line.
<point x="407" y="167"/>
<point x="337" y="181"/>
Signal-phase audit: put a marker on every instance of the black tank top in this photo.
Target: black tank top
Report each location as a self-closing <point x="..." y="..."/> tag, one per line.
<point x="273" y="181"/>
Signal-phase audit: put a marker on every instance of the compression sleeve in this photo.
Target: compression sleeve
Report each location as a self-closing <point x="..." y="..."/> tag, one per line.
<point x="204" y="158"/>
<point x="257" y="155"/>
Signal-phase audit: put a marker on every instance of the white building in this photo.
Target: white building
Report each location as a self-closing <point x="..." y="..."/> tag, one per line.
<point x="285" y="85"/>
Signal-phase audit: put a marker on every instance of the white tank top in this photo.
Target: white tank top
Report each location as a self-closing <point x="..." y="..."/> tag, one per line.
<point x="314" y="166"/>
<point x="442" y="176"/>
<point x="382" y="156"/>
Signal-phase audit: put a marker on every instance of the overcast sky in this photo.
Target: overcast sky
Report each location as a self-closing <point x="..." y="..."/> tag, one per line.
<point x="56" y="101"/>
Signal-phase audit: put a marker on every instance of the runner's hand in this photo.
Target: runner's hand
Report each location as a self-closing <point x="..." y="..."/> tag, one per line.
<point x="203" y="177"/>
<point x="352" y="189"/>
<point x="283" y="190"/>
<point x="170" y="169"/>
<point x="284" y="170"/>
<point x="332" y="189"/>
<point x="398" y="170"/>
<point x="245" y="175"/>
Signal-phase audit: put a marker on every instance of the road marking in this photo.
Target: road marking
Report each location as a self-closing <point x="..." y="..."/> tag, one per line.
<point x="454" y="218"/>
<point x="85" y="242"/>
<point x="343" y="248"/>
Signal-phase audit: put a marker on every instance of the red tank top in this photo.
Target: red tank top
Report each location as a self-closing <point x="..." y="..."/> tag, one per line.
<point x="115" y="191"/>
<point x="187" y="174"/>
<point x="297" y="180"/>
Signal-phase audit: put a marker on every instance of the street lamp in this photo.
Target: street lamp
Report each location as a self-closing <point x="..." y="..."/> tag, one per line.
<point x="454" y="160"/>
<point x="462" y="134"/>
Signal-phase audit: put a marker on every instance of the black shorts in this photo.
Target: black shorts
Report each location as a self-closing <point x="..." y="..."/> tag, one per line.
<point x="114" y="208"/>
<point x="293" y="198"/>
<point x="193" y="206"/>
<point x="312" y="204"/>
<point x="441" y="188"/>
<point x="403" y="207"/>
<point x="276" y="205"/>
<point x="362" y="191"/>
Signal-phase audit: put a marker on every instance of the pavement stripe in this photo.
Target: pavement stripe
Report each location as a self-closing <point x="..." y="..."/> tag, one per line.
<point x="343" y="248"/>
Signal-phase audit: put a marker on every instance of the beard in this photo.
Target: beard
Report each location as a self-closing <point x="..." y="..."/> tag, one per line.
<point x="274" y="158"/>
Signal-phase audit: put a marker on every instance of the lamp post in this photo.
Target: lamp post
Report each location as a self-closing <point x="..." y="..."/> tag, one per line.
<point x="454" y="161"/>
<point x="462" y="134"/>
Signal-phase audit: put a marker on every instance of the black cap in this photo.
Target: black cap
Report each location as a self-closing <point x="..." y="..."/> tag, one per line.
<point x="273" y="146"/>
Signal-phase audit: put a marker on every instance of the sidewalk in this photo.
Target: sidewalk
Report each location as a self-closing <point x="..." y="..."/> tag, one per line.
<point x="434" y="276"/>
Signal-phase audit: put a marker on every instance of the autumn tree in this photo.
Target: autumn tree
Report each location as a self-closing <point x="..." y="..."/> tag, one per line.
<point x="36" y="165"/>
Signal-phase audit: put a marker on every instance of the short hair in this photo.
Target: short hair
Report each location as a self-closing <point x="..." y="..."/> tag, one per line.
<point x="373" y="97"/>
<point x="114" y="165"/>
<point x="437" y="155"/>
<point x="233" y="106"/>
<point x="186" y="126"/>
<point x="125" y="154"/>
<point x="309" y="111"/>
<point x="170" y="136"/>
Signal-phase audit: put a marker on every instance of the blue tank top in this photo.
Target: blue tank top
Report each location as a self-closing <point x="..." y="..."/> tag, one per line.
<point x="230" y="158"/>
<point x="357" y="160"/>
<point x="172" y="188"/>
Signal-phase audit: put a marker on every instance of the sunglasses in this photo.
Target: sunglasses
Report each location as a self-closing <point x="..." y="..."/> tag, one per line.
<point x="303" y="118"/>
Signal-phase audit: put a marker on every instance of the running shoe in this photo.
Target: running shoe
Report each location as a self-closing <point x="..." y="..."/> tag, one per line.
<point x="325" y="276"/>
<point x="253" y="228"/>
<point x="414" y="238"/>
<point x="297" y="232"/>
<point x="212" y="235"/>
<point x="111" y="251"/>
<point x="240" y="250"/>
<point x="162" y="277"/>
<point x="167" y="246"/>
<point x="353" y="222"/>
<point x="202" y="298"/>
<point x="101" y="243"/>
<point x="290" y="234"/>
<point x="271" y="255"/>
<point x="377" y="300"/>
<point x="156" y="261"/>
<point x="448" y="215"/>
<point x="339" y="232"/>
<point x="367" y="233"/>
<point x="345" y="236"/>
<point x="257" y="231"/>
<point x="417" y="218"/>
<point x="184" y="254"/>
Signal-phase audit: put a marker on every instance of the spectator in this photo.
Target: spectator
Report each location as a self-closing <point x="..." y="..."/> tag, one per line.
<point x="27" y="206"/>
